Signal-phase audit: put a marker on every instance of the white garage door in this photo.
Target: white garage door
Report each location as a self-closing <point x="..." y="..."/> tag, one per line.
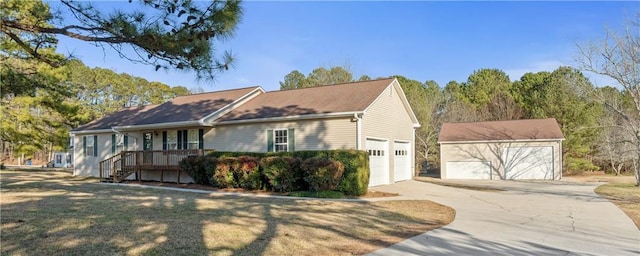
<point x="528" y="163"/>
<point x="468" y="170"/>
<point x="401" y="161"/>
<point x="378" y="164"/>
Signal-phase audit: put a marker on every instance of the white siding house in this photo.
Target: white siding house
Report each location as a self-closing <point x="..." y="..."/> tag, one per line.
<point x="373" y="116"/>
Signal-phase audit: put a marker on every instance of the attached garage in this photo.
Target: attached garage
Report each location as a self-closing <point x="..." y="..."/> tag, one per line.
<point x="401" y="161"/>
<point x="378" y="164"/>
<point x="512" y="150"/>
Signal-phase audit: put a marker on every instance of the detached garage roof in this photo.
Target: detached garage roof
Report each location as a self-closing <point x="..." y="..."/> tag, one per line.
<point x="528" y="129"/>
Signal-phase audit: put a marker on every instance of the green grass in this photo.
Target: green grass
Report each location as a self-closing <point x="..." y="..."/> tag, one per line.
<point x="52" y="213"/>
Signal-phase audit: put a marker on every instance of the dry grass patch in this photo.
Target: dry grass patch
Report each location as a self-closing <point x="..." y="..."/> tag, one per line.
<point x="624" y="195"/>
<point x="52" y="213"/>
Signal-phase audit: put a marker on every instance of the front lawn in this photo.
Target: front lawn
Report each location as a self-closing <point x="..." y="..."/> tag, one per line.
<point x="52" y="213"/>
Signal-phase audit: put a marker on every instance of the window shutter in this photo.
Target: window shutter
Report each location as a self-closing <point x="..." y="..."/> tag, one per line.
<point x="201" y="138"/>
<point x="95" y="145"/>
<point x="84" y="145"/>
<point x="291" y="140"/>
<point x="164" y="140"/>
<point x="125" y="141"/>
<point x="185" y="140"/>
<point x="270" y="141"/>
<point x="179" y="139"/>
<point x="113" y="143"/>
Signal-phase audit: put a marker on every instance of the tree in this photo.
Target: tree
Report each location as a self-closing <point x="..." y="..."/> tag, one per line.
<point x="323" y="76"/>
<point x="615" y="145"/>
<point x="484" y="84"/>
<point x="293" y="80"/>
<point x="177" y="34"/>
<point x="318" y="77"/>
<point x="617" y="56"/>
<point x="426" y="100"/>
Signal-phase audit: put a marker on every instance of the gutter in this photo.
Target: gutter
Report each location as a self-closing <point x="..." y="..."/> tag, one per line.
<point x="288" y="118"/>
<point x="158" y="126"/>
<point x="500" y="141"/>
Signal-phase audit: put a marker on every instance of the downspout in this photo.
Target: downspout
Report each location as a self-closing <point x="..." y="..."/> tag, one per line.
<point x="358" y="118"/>
<point x="413" y="152"/>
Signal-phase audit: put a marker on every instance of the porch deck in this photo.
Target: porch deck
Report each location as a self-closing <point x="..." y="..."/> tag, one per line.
<point x="118" y="167"/>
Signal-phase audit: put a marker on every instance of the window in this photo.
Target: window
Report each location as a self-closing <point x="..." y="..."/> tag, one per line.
<point x="58" y="159"/>
<point x="193" y="139"/>
<point x="280" y="140"/>
<point x="402" y="152"/>
<point x="90" y="145"/>
<point x="172" y="139"/>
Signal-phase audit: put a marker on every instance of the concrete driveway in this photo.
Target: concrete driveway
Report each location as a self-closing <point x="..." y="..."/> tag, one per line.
<point x="529" y="218"/>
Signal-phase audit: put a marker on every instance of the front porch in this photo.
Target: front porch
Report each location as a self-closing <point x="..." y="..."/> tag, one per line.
<point x="120" y="166"/>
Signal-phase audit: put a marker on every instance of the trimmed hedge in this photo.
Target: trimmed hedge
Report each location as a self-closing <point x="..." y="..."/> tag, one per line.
<point x="282" y="173"/>
<point x="199" y="168"/>
<point x="285" y="175"/>
<point x="322" y="174"/>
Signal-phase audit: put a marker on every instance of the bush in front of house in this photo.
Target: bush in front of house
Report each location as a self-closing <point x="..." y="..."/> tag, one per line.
<point x="354" y="180"/>
<point x="222" y="174"/>
<point x="246" y="172"/>
<point x="199" y="168"/>
<point x="322" y="174"/>
<point x="282" y="172"/>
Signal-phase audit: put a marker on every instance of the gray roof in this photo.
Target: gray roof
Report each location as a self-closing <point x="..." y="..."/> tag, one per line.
<point x="527" y="129"/>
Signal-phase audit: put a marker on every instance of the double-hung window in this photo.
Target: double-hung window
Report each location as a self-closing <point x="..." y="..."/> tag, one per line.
<point x="90" y="145"/>
<point x="172" y="140"/>
<point x="280" y="140"/>
<point x="193" y="139"/>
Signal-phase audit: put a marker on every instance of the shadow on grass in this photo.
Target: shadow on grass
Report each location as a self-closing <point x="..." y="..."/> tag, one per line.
<point x="52" y="213"/>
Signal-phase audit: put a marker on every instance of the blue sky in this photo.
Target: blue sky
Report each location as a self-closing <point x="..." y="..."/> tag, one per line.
<point x="439" y="41"/>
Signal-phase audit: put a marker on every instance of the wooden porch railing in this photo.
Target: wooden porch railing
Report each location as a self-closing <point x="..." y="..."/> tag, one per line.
<point x="120" y="166"/>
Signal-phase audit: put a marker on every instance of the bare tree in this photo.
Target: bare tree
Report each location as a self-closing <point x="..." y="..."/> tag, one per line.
<point x="617" y="56"/>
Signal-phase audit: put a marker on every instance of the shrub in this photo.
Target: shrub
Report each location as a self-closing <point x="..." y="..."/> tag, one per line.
<point x="354" y="181"/>
<point x="199" y="168"/>
<point x="222" y="175"/>
<point x="247" y="172"/>
<point x="322" y="174"/>
<point x="282" y="173"/>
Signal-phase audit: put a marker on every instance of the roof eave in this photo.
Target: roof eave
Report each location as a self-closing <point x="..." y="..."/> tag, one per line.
<point x="91" y="131"/>
<point x="499" y="141"/>
<point x="289" y="118"/>
<point x="158" y="126"/>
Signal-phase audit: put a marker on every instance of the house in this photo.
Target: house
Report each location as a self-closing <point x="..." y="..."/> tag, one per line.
<point x="374" y="116"/>
<point x="517" y="149"/>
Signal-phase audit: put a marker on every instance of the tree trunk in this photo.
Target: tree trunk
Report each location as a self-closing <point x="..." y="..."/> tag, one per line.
<point x="636" y="168"/>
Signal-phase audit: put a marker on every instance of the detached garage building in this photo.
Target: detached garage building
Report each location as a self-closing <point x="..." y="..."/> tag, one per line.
<point x="517" y="149"/>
